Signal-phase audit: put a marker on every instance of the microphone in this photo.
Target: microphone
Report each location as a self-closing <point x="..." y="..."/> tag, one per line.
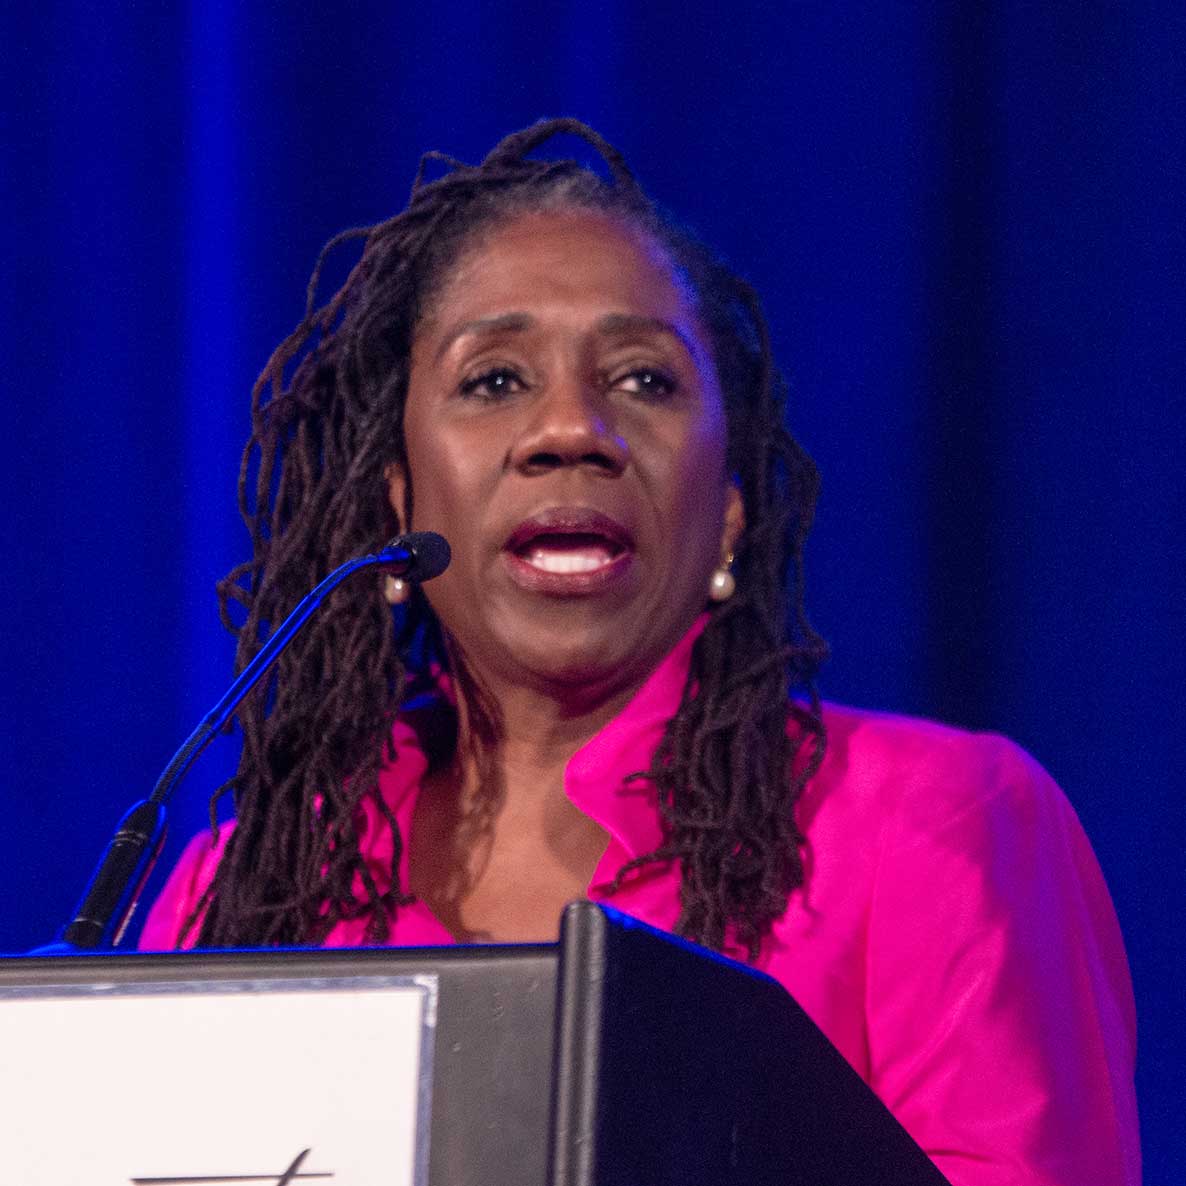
<point x="417" y="556"/>
<point x="111" y="897"/>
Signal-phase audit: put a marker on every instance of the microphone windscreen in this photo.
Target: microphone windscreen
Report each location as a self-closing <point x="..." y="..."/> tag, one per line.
<point x="431" y="552"/>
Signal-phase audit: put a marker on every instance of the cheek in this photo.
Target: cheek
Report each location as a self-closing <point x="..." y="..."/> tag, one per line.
<point x="694" y="477"/>
<point x="434" y="490"/>
<point x="699" y="460"/>
<point x="439" y="475"/>
<point x="438" y="502"/>
<point x="452" y="475"/>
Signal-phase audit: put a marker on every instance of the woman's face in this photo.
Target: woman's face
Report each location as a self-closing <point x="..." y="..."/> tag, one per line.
<point x="565" y="431"/>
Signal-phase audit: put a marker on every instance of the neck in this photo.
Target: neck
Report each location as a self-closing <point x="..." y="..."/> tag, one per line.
<point x="497" y="848"/>
<point x="517" y="741"/>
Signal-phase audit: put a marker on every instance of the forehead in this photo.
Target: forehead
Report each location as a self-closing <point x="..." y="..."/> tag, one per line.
<point x="574" y="261"/>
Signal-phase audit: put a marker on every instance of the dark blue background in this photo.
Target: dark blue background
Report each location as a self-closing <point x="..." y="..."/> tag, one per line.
<point x="967" y="223"/>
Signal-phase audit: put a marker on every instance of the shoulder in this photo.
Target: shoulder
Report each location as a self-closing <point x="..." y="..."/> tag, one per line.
<point x="918" y="800"/>
<point x="925" y="774"/>
<point x="904" y="806"/>
<point x="183" y="890"/>
<point x="972" y="840"/>
<point x="891" y="742"/>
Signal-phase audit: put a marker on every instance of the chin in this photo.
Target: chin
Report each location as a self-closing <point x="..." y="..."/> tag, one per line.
<point x="594" y="648"/>
<point x="566" y="644"/>
<point x="576" y="658"/>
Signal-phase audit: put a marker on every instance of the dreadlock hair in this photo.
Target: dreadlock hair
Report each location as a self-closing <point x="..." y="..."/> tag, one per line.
<point x="327" y="420"/>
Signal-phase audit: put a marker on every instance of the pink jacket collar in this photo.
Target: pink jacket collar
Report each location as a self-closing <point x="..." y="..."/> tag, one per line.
<point x="597" y="780"/>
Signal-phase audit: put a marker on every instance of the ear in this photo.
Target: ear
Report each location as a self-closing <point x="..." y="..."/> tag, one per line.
<point x="397" y="492"/>
<point x="734" y="520"/>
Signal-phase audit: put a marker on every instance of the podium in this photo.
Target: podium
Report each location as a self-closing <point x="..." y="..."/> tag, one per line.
<point x="620" y="1056"/>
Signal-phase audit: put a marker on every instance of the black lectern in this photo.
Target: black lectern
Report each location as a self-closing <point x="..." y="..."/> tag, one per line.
<point x="619" y="1057"/>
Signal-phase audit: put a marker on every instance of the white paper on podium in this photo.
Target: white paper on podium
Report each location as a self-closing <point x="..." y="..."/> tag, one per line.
<point x="228" y="1080"/>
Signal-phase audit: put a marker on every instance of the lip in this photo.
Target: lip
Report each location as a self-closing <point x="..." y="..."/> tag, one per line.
<point x="568" y="521"/>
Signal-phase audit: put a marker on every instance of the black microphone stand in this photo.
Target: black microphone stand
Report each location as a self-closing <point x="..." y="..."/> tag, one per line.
<point x="110" y="898"/>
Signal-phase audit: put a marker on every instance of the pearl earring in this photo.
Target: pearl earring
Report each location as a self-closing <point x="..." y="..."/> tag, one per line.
<point x="396" y="591"/>
<point x="722" y="585"/>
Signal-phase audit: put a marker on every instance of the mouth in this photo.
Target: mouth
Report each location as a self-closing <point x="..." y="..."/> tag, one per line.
<point x="568" y="551"/>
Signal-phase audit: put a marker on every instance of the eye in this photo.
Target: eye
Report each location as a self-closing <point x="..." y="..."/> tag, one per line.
<point x="493" y="384"/>
<point x="646" y="381"/>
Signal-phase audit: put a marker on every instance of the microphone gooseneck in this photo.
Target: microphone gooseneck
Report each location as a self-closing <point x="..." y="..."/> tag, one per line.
<point x="114" y="890"/>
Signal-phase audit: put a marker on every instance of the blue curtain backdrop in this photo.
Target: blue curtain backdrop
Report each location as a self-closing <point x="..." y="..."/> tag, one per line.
<point x="967" y="221"/>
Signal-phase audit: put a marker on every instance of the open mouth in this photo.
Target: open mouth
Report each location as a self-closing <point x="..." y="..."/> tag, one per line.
<point x="568" y="550"/>
<point x="568" y="553"/>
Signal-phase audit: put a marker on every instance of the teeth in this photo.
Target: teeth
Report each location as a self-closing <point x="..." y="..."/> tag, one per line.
<point x="583" y="560"/>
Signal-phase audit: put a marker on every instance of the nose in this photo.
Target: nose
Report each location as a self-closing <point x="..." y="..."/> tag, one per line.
<point x="569" y="423"/>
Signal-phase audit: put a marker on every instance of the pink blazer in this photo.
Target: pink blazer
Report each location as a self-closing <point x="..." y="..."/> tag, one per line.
<point x="955" y="939"/>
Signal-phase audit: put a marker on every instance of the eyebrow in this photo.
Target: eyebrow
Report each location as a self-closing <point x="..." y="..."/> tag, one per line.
<point x="612" y="325"/>
<point x="620" y="324"/>
<point x="504" y="323"/>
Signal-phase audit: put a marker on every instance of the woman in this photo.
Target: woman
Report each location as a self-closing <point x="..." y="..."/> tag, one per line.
<point x="604" y="695"/>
